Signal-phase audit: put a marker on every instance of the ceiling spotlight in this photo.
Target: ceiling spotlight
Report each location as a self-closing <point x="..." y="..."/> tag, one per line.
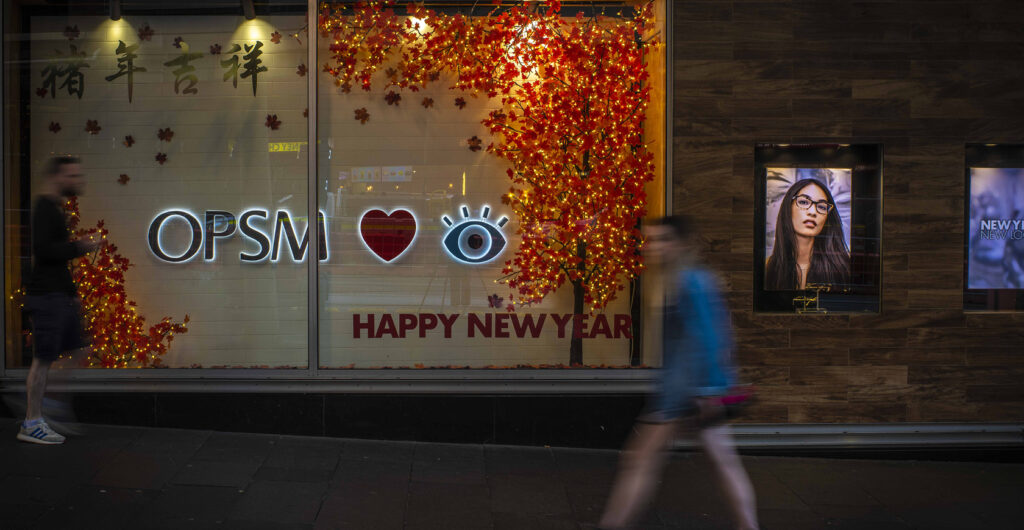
<point x="248" y="9"/>
<point x="115" y="9"/>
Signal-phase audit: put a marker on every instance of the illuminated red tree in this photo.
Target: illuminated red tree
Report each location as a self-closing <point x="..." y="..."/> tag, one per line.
<point x="118" y="333"/>
<point x="574" y="100"/>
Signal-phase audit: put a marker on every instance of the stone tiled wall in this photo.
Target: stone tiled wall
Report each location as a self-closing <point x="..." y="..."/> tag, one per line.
<point x="921" y="78"/>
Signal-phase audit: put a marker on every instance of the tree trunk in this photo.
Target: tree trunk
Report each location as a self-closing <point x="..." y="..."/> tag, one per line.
<point x="576" y="343"/>
<point x="636" y="354"/>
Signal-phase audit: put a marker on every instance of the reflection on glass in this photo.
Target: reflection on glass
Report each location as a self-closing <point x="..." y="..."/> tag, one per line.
<point x="192" y="135"/>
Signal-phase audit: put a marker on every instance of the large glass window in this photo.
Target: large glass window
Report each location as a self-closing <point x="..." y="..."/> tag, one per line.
<point x="471" y="212"/>
<point x="192" y="134"/>
<point x="431" y="226"/>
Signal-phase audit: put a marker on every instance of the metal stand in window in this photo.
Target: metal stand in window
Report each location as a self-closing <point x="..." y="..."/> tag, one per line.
<point x="812" y="304"/>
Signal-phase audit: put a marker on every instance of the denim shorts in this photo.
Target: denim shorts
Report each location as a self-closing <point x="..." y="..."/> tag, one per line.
<point x="56" y="321"/>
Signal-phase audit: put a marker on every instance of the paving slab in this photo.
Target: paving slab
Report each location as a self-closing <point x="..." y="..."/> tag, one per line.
<point x="290" y="503"/>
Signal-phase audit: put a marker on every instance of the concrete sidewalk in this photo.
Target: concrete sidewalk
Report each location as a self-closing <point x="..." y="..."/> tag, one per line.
<point x="130" y="477"/>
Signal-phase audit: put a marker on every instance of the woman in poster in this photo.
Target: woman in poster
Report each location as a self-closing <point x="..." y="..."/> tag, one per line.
<point x="809" y="244"/>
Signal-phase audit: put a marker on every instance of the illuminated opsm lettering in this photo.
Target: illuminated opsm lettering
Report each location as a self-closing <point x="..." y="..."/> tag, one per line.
<point x="219" y="224"/>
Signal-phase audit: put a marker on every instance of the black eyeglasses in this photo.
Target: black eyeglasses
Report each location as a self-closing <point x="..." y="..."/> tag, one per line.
<point x="804" y="202"/>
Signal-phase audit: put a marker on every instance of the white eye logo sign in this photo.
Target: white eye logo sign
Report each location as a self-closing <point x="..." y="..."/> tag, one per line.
<point x="474" y="241"/>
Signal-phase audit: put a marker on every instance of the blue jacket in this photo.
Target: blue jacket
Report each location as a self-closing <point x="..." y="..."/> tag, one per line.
<point x="698" y="341"/>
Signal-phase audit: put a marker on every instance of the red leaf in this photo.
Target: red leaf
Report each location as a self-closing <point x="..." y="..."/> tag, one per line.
<point x="460" y="102"/>
<point x="92" y="127"/>
<point x="54" y="127"/>
<point x="161" y="157"/>
<point x="427" y="103"/>
<point x="71" y="32"/>
<point x="475" y="143"/>
<point x="272" y="122"/>
<point x="361" y="115"/>
<point x="301" y="70"/>
<point x="165" y="134"/>
<point x="123" y="179"/>
<point x="393" y="97"/>
<point x="145" y="32"/>
<point x="275" y="37"/>
<point x="41" y="92"/>
<point x="128" y="141"/>
<point x="177" y="42"/>
<point x="215" y="49"/>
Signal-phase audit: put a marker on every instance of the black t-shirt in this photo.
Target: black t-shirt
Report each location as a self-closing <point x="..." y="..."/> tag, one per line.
<point x="51" y="250"/>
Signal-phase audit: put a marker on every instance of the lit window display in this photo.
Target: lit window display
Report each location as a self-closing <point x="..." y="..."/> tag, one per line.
<point x="471" y="211"/>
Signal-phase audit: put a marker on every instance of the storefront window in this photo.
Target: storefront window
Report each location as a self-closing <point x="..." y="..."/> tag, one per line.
<point x="192" y="136"/>
<point x="994" y="227"/>
<point x="482" y="175"/>
<point x="430" y="145"/>
<point x="818" y="228"/>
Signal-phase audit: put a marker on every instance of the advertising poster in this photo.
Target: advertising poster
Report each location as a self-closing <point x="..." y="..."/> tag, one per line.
<point x="807" y="227"/>
<point x="995" y="248"/>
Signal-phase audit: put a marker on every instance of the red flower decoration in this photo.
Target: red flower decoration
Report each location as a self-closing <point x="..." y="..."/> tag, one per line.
<point x="123" y="179"/>
<point x="165" y="134"/>
<point x="161" y="157"/>
<point x="41" y="92"/>
<point x="346" y="87"/>
<point x="434" y="76"/>
<point x="128" y="141"/>
<point x="494" y="300"/>
<point x="362" y="115"/>
<point x="145" y="32"/>
<point x="215" y="49"/>
<point x="427" y="103"/>
<point x="272" y="122"/>
<point x="305" y="112"/>
<point x="301" y="70"/>
<point x="460" y="102"/>
<point x="275" y="37"/>
<point x="54" y="127"/>
<point x="92" y="127"/>
<point x="475" y="143"/>
<point x="71" y="32"/>
<point x="393" y="97"/>
<point x="177" y="42"/>
<point x="391" y="72"/>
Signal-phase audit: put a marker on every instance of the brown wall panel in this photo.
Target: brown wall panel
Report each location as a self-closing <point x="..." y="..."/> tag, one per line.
<point x="923" y="79"/>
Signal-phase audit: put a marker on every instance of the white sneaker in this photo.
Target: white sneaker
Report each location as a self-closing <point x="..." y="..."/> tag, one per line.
<point x="40" y="433"/>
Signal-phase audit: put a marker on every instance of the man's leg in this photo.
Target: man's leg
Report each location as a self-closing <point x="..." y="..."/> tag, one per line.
<point x="35" y="387"/>
<point x="640" y="464"/>
<point x="717" y="443"/>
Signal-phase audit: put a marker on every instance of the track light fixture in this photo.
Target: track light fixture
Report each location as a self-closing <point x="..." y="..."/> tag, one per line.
<point x="248" y="9"/>
<point x="115" y="9"/>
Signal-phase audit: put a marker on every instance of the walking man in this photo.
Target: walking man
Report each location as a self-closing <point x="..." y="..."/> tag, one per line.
<point x="696" y="373"/>
<point x="51" y="301"/>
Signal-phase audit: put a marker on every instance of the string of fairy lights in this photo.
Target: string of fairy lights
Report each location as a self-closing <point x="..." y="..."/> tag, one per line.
<point x="117" y="333"/>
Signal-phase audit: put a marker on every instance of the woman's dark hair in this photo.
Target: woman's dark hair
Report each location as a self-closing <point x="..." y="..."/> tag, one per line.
<point x="830" y="259"/>
<point x="54" y="164"/>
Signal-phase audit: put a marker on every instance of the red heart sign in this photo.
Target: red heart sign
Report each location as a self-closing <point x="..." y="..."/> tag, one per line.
<point x="387" y="235"/>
